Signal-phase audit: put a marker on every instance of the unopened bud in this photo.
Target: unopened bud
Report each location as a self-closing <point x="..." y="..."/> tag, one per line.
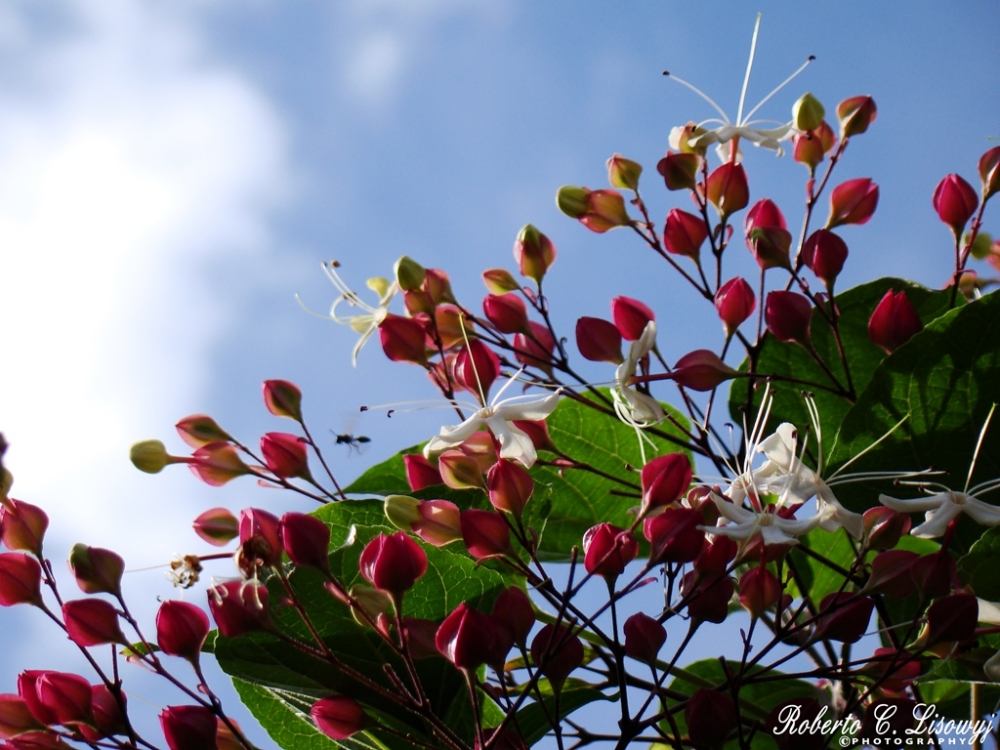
<point x="955" y="202"/>
<point x="855" y="115"/>
<point x="707" y="598"/>
<point x="409" y="274"/>
<point x="631" y="317"/>
<point x="843" y="617"/>
<point x="217" y="526"/>
<point x="952" y="618"/>
<point x="510" y="486"/>
<point x="338" y="716"/>
<point x="884" y="527"/>
<point x="644" y="637"/>
<point x="20" y="579"/>
<point x="981" y="247"/>
<point x="674" y="536"/>
<point x="217" y="463"/>
<point x="189" y="727"/>
<point x="623" y="173"/>
<point x="200" y="429"/>
<point x="605" y="210"/>
<point x="459" y="471"/>
<point x="513" y="611"/>
<point x="451" y="326"/>
<point x="735" y="302"/>
<point x="727" y="189"/>
<point x="97" y="570"/>
<point x="507" y="312"/>
<point x="181" y="629"/>
<point x="283" y="399"/>
<point x="665" y="480"/>
<point x="599" y="340"/>
<point x="476" y="368"/>
<point x="438" y="286"/>
<point x="811" y="146"/>
<point x="788" y="316"/>
<point x="393" y="563"/>
<point x="306" y="540"/>
<point x="534" y="253"/>
<point x="285" y="455"/>
<point x="710" y="716"/>
<point x="535" y="350"/>
<point x="852" y="202"/>
<point x="572" y="201"/>
<point x="684" y="233"/>
<point x="679" y="171"/>
<point x="760" y="590"/>
<point x="499" y="281"/>
<point x="420" y="473"/>
<point x="466" y="637"/>
<point x="807" y="112"/>
<point x="894" y="322"/>
<point x="701" y="370"/>
<point x="403" y="339"/>
<point x="892" y="574"/>
<point x="825" y="253"/>
<point x="68" y="696"/>
<point x="23" y="526"/>
<point x="92" y="622"/>
<point x="150" y="456"/>
<point x="485" y="534"/>
<point x="556" y="652"/>
<point x="989" y="171"/>
<point x="607" y="550"/>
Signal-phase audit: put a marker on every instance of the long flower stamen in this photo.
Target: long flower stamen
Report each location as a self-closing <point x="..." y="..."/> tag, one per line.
<point x="979" y="445"/>
<point x="895" y="427"/>
<point x="700" y="93"/>
<point x="778" y="88"/>
<point x="746" y="77"/>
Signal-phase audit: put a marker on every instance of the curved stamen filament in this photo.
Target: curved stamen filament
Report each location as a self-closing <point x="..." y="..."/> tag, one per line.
<point x="746" y="77"/>
<point x="779" y="87"/>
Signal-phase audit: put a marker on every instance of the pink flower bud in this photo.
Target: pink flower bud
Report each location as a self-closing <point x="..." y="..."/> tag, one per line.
<point x="181" y="629"/>
<point x="499" y="281"/>
<point x="679" y="171"/>
<point x="15" y="717"/>
<point x="892" y="574"/>
<point x="450" y="324"/>
<point x="852" y="202"/>
<point x="417" y="302"/>
<point x="338" y="716"/>
<point x="989" y="171"/>
<point x="393" y="563"/>
<point x="770" y="246"/>
<point x="92" y="622"/>
<point x="788" y="316"/>
<point x="537" y="432"/>
<point x="607" y="550"/>
<point x="97" y="570"/>
<point x="605" y="210"/>
<point x="403" y="339"/>
<point x="200" y="429"/>
<point x="884" y="527"/>
<point x="239" y="607"/>
<point x="420" y="474"/>
<point x="760" y="590"/>
<point x="764" y="214"/>
<point x="23" y="526"/>
<point x="715" y="557"/>
<point x="644" y="637"/>
<point x="894" y="322"/>
<point x="684" y="233"/>
<point x="810" y="147"/>
<point x="66" y="695"/>
<point x="631" y="317"/>
<point x="701" y="370"/>
<point x="438" y="286"/>
<point x="485" y="534"/>
<point x="674" y="536"/>
<point x="283" y="399"/>
<point x="306" y="540"/>
<point x="933" y="574"/>
<point x="216" y="526"/>
<point x="623" y="173"/>
<point x="439" y="522"/>
<point x="513" y="611"/>
<point x="952" y="618"/>
<point x="510" y="487"/>
<point x="285" y="455"/>
<point x="260" y="537"/>
<point x="599" y="340"/>
<point x="460" y="471"/>
<point x="477" y="367"/>
<point x="466" y="637"/>
<point x="534" y="253"/>
<point x="707" y="598"/>
<point x="507" y="312"/>
<point x="217" y="463"/>
<point x="855" y="115"/>
<point x="536" y="350"/>
<point x="556" y="652"/>
<point x="955" y="201"/>
<point x="843" y="617"/>
<point x="665" y="479"/>
<point x="728" y="190"/>
<point x="735" y="302"/>
<point x="27" y="683"/>
<point x="188" y="727"/>
<point x="710" y="716"/>
<point x="480" y="446"/>
<point x="824" y="253"/>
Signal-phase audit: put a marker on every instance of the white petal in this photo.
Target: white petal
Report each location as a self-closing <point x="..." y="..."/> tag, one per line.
<point x="739" y="531"/>
<point x="988" y="612"/>
<point x="732" y="512"/>
<point x="515" y="445"/>
<point x="775" y="535"/>
<point x="780" y="447"/>
<point x="449" y="437"/>
<point x="528" y="411"/>
<point x="936" y="521"/>
<point x="916" y="504"/>
<point x="981" y="512"/>
<point x="853" y="522"/>
<point x="798" y="527"/>
<point x="992" y="667"/>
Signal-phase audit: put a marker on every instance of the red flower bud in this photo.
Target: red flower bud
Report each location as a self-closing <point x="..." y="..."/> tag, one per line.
<point x="107" y="714"/>
<point x="715" y="557"/>
<point x="239" y="607"/>
<point x="735" y="302"/>
<point x="97" y="570"/>
<point x="674" y="536"/>
<point x="605" y="209"/>
<point x="476" y="368"/>
<point x="952" y="618"/>
<point x="884" y="527"/>
<point x="788" y="316"/>
<point x="512" y="611"/>
<point x="438" y="286"/>
<point x="507" y="312"/>
<point x="764" y="214"/>
<point x="759" y="590"/>
<point x="15" y="717"/>
<point x="534" y="253"/>
<point x="824" y="253"/>
<point x="536" y="351"/>
<point x="933" y="574"/>
<point x="283" y="399"/>
<point x="27" y="682"/>
<point x="66" y="695"/>
<point x="955" y="201"/>
<point x="665" y="479"/>
<point x="892" y="575"/>
<point x="217" y="526"/>
<point x="599" y="340"/>
<point x="285" y="455"/>
<point x="460" y="471"/>
<point x="631" y="317"/>
<point x="338" y="716"/>
<point x="306" y="540"/>
<point x="843" y="617"/>
<point x="466" y="638"/>
<point x="989" y="171"/>
<point x="217" y="463"/>
<point x="181" y="629"/>
<point x="894" y="322"/>
<point x="92" y="622"/>
<point x="679" y="170"/>
<point x="200" y="429"/>
<point x="644" y="637"/>
<point x="895" y="669"/>
<point x="684" y="233"/>
<point x="393" y="563"/>
<point x="728" y="190"/>
<point x="707" y="598"/>
<point x="852" y="202"/>
<point x="485" y="534"/>
<point x="855" y="115"/>
<point x="188" y="727"/>
<point x="710" y="717"/>
<point x="510" y="487"/>
<point x="403" y="339"/>
<point x="608" y="549"/>
<point x="420" y="474"/>
<point x="499" y="281"/>
<point x="260" y="538"/>
<point x="482" y="447"/>
<point x="810" y="147"/>
<point x="701" y="370"/>
<point x="537" y="432"/>
<point x="23" y="526"/>
<point x="556" y="652"/>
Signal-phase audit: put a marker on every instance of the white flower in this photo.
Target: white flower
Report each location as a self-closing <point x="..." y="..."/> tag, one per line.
<point x="515" y="445"/>
<point x="744" y="524"/>
<point x="636" y="409"/>
<point x="942" y="508"/>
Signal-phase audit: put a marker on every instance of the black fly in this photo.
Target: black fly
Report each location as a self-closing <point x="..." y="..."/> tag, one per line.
<point x="353" y="442"/>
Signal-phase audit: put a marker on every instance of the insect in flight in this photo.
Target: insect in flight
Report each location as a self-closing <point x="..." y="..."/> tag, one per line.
<point x="353" y="442"/>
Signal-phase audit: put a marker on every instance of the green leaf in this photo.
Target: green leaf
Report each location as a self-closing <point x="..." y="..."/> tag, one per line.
<point x="815" y="577"/>
<point x="979" y="567"/>
<point x="944" y="382"/>
<point x="863" y="357"/>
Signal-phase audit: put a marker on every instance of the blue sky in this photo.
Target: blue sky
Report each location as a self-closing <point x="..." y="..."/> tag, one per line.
<point x="171" y="173"/>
